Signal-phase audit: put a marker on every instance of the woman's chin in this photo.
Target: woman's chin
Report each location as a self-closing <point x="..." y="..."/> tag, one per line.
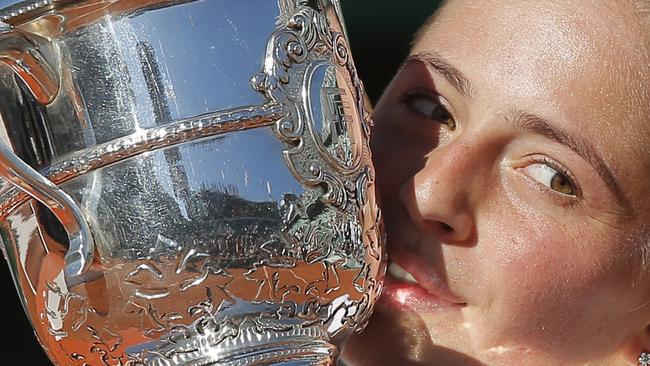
<point x="400" y="337"/>
<point x="386" y="340"/>
<point x="409" y="326"/>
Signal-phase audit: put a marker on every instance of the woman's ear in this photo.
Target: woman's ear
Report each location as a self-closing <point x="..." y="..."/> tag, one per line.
<point x="637" y="345"/>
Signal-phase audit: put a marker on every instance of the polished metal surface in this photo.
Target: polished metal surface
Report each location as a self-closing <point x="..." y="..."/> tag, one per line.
<point x="215" y="156"/>
<point x="12" y="9"/>
<point x="24" y="177"/>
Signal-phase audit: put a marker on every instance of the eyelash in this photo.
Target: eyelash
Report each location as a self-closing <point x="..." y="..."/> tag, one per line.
<point x="409" y="99"/>
<point x="562" y="199"/>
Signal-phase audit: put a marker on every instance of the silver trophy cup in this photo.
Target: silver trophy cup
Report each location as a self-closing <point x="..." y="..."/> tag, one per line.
<point x="186" y="182"/>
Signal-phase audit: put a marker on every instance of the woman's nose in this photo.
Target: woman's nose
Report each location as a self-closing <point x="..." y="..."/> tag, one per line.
<point x="441" y="197"/>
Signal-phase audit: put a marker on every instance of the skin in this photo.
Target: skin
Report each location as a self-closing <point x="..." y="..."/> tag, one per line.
<point x="545" y="277"/>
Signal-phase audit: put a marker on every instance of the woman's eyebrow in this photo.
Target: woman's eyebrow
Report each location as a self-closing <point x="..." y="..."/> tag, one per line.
<point x="454" y="76"/>
<point x="586" y="151"/>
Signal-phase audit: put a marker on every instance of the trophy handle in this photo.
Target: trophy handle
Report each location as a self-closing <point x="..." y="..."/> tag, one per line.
<point x="30" y="67"/>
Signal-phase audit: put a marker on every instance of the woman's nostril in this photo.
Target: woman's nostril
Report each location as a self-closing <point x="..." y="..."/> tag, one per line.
<point x="446" y="228"/>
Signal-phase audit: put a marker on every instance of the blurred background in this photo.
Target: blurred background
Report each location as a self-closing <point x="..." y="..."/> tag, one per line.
<point x="380" y="33"/>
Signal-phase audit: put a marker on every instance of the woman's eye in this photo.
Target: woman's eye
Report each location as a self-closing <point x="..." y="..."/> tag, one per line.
<point x="430" y="107"/>
<point x="552" y="178"/>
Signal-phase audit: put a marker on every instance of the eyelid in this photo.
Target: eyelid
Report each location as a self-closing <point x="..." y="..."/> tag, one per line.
<point x="543" y="159"/>
<point x="433" y="96"/>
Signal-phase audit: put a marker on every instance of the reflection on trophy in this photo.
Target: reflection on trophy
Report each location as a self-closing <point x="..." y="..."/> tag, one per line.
<point x="186" y="182"/>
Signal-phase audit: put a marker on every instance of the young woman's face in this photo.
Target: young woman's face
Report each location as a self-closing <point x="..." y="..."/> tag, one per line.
<point x="512" y="157"/>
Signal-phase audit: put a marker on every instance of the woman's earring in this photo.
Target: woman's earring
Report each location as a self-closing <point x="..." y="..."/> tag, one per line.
<point x="644" y="359"/>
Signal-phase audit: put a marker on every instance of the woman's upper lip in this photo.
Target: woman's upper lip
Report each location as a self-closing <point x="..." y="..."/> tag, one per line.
<point x="426" y="277"/>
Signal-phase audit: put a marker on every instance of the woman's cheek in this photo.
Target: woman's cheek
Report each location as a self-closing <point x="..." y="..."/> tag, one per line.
<point x="545" y="283"/>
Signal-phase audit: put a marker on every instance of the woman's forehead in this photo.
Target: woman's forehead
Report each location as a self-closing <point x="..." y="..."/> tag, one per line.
<point x="555" y="52"/>
<point x="556" y="36"/>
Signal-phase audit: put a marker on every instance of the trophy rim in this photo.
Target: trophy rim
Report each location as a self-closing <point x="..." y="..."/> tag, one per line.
<point x="22" y="10"/>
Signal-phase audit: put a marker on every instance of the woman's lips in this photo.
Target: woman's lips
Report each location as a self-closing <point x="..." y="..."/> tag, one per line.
<point x="410" y="297"/>
<point x="410" y="284"/>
